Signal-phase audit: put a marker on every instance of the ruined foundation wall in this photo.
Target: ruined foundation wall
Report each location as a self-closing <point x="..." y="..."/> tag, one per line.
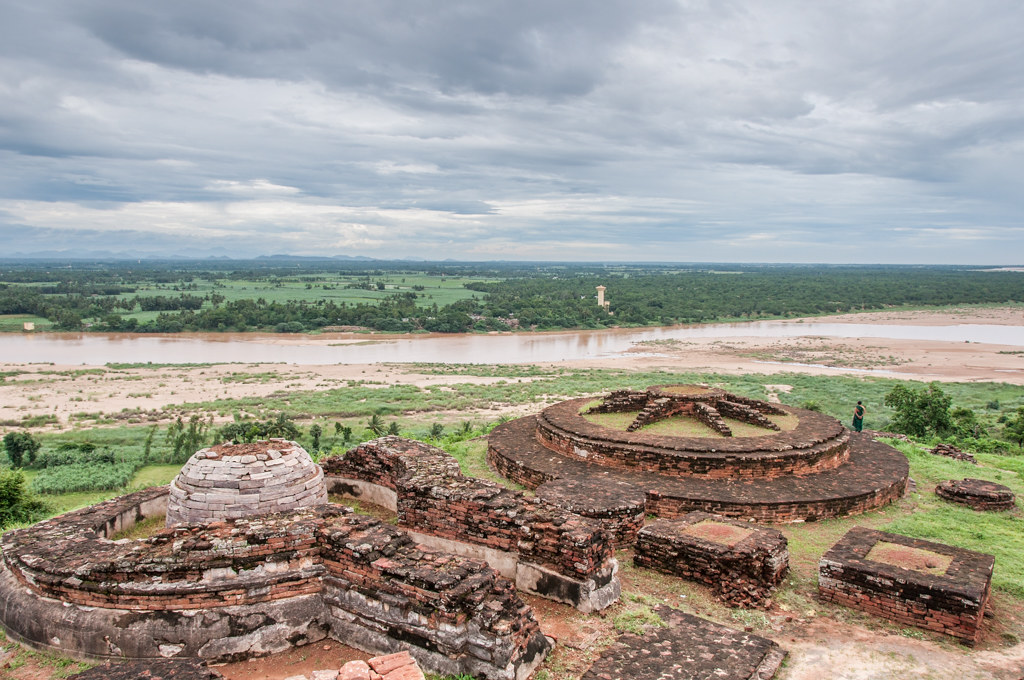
<point x="240" y="588"/>
<point x="742" y="573"/>
<point x="435" y="498"/>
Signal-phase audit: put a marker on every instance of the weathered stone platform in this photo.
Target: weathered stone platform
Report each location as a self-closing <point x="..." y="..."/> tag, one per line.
<point x="979" y="494"/>
<point x="872" y="475"/>
<point x="690" y="648"/>
<point x="741" y="562"/>
<point x="545" y="549"/>
<point x="909" y="581"/>
<point x="248" y="587"/>
<point x="398" y="666"/>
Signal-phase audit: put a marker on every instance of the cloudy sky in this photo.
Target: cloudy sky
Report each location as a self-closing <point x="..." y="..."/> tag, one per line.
<point x="611" y="130"/>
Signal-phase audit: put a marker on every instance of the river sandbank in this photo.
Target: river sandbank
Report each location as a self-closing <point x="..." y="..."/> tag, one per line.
<point x="58" y="392"/>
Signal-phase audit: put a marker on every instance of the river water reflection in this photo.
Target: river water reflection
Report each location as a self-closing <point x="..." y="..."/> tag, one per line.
<point x="88" y="348"/>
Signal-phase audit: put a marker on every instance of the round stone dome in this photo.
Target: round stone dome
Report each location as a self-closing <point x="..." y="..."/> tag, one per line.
<point x="229" y="481"/>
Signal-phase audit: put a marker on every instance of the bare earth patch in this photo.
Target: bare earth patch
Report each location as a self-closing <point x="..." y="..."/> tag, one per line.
<point x="924" y="561"/>
<point x="716" y="532"/>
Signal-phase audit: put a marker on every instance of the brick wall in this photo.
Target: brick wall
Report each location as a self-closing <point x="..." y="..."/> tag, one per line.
<point x="818" y="443"/>
<point x="435" y="498"/>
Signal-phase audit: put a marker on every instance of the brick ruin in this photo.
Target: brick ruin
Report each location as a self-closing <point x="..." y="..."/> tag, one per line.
<point x="233" y="589"/>
<point x="979" y="494"/>
<point x="909" y="581"/>
<point x="816" y="469"/>
<point x="742" y="563"/>
<point x="618" y="506"/>
<point x="543" y="548"/>
<point x="229" y="481"/>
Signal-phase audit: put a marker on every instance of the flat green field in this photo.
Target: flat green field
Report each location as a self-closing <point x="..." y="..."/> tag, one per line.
<point x="430" y="289"/>
<point x="15" y="322"/>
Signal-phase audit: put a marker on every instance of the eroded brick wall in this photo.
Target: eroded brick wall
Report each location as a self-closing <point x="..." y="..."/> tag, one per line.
<point x="818" y="443"/>
<point x="435" y="498"/>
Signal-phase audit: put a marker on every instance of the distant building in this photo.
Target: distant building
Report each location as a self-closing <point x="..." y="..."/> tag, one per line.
<point x="600" y="297"/>
<point x="28" y="326"/>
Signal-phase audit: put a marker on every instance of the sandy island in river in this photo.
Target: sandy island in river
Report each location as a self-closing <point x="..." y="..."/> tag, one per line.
<point x="45" y="389"/>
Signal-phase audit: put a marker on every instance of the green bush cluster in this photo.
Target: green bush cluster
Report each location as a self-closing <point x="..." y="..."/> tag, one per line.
<point x="17" y="505"/>
<point x="84" y="477"/>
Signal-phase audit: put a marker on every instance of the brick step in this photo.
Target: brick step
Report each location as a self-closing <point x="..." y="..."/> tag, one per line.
<point x="874" y="475"/>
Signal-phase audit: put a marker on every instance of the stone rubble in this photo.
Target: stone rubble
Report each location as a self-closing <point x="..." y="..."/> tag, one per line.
<point x="953" y="452"/>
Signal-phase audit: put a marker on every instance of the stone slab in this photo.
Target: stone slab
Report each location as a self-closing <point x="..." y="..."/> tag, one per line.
<point x="689" y="648"/>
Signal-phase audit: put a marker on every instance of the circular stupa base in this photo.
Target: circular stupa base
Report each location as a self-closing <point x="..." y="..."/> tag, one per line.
<point x="871" y="475"/>
<point x="979" y="494"/>
<point x="230" y="481"/>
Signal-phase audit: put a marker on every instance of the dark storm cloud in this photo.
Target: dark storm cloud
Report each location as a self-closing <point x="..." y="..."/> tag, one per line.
<point x="657" y="130"/>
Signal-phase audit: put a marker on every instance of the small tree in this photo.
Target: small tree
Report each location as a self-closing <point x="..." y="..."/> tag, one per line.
<point x="376" y="425"/>
<point x="393" y="428"/>
<point x="186" y="439"/>
<point x="966" y="422"/>
<point x="16" y="504"/>
<point x="1014" y="428"/>
<point x="315" y="431"/>
<point x="919" y="412"/>
<point x="19" y="446"/>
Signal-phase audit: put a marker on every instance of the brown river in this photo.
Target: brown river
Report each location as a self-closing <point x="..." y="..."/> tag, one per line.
<point x="98" y="348"/>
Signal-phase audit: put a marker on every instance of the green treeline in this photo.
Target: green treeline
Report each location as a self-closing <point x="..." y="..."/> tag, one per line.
<point x="750" y="293"/>
<point x="120" y="297"/>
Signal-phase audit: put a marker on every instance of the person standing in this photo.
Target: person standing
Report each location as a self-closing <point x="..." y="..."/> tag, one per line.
<point x="858" y="417"/>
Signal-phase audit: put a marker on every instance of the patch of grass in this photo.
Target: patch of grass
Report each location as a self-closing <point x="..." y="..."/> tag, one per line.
<point x="11" y="323"/>
<point x="154" y="475"/>
<point x="150" y="365"/>
<point x="39" y="420"/>
<point x="638" y="620"/>
<point x="247" y="378"/>
<point x="688" y="426"/>
<point x="144" y="529"/>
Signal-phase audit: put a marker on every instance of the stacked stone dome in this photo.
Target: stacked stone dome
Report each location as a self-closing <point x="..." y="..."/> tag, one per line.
<point x="230" y="481"/>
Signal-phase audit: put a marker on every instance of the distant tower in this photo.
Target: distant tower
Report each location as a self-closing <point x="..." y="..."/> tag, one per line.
<point x="600" y="298"/>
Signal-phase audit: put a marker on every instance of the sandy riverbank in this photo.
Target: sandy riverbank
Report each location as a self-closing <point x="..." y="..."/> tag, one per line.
<point x="38" y="390"/>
